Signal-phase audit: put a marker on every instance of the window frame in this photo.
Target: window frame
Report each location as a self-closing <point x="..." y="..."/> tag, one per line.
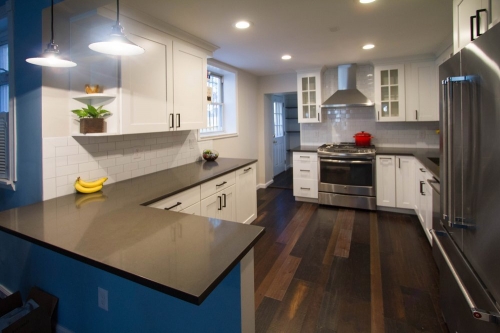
<point x="9" y="181"/>
<point x="220" y="103"/>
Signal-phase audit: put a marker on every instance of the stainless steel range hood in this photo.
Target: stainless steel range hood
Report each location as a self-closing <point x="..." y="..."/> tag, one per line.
<point x="347" y="95"/>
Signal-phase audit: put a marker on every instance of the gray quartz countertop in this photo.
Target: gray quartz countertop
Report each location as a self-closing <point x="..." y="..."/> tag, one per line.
<point x="305" y="149"/>
<point x="421" y="154"/>
<point x="182" y="255"/>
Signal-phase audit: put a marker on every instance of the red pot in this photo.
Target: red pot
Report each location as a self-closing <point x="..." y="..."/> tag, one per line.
<point x="362" y="138"/>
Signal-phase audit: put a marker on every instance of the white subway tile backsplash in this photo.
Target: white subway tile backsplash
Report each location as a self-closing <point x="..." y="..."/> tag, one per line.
<point x="123" y="144"/>
<point x="150" y="169"/>
<point x="106" y="146"/>
<point x="137" y="173"/>
<point x="62" y="160"/>
<point x="123" y="176"/>
<point x="49" y="188"/>
<point x="88" y="148"/>
<point x="114" y="170"/>
<point x="67" y="150"/>
<point x="98" y="139"/>
<point x="115" y="153"/>
<point x="123" y="160"/>
<point x="76" y="159"/>
<point x="107" y="163"/>
<point x="49" y="168"/>
<point x="88" y="166"/>
<point x="98" y="155"/>
<point x="96" y="174"/>
<point x="63" y="180"/>
<point x="131" y="166"/>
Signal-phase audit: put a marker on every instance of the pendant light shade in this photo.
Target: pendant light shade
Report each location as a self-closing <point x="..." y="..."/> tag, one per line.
<point x="50" y="57"/>
<point x="117" y="43"/>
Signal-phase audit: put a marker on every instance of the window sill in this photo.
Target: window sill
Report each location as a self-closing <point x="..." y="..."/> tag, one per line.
<point x="7" y="185"/>
<point x="216" y="136"/>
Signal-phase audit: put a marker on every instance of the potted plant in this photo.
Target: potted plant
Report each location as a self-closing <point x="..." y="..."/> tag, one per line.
<point x="91" y="119"/>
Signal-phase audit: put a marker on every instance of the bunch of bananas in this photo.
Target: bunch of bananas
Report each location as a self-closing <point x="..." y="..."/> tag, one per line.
<point x="89" y="187"/>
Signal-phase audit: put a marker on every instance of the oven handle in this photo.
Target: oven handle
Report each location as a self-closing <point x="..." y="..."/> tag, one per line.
<point x="345" y="161"/>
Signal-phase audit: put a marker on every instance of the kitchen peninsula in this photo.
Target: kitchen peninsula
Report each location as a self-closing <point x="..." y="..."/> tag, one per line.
<point x="161" y="269"/>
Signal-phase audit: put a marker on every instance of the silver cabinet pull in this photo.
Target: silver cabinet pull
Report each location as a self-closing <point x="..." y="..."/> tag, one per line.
<point x="476" y="313"/>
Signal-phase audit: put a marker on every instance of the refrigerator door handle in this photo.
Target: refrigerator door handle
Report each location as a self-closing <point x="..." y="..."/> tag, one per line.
<point x="476" y="312"/>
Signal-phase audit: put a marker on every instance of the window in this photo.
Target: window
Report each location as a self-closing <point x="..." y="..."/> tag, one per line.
<point x="7" y="151"/>
<point x="278" y="119"/>
<point x="215" y="108"/>
<point x="222" y="108"/>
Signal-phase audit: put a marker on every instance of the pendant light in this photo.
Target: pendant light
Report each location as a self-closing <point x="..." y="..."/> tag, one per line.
<point x="117" y="43"/>
<point x="50" y="57"/>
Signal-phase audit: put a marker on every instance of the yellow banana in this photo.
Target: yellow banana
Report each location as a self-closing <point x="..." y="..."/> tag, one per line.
<point x="91" y="184"/>
<point x="82" y="189"/>
<point x="93" y="197"/>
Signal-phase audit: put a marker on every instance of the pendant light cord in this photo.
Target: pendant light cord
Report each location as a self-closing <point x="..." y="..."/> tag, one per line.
<point x="52" y="22"/>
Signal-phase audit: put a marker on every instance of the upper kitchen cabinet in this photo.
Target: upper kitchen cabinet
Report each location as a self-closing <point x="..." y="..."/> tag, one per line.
<point x="309" y="96"/>
<point x="163" y="89"/>
<point x="471" y="18"/>
<point x="422" y="102"/>
<point x="390" y="93"/>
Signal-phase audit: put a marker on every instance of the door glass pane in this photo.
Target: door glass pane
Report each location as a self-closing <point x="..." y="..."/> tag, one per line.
<point x="305" y="97"/>
<point x="394" y="76"/>
<point x="305" y="85"/>
<point x="394" y="93"/>
<point x="305" y="112"/>
<point x="346" y="174"/>
<point x="312" y="83"/>
<point x="394" y="109"/>
<point x="384" y="78"/>
<point x="385" y="93"/>
<point x="312" y="96"/>
<point x="385" y="109"/>
<point x="313" y="111"/>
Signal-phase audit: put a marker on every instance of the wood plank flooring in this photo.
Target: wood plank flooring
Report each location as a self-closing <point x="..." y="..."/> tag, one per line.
<point x="283" y="180"/>
<point x="326" y="269"/>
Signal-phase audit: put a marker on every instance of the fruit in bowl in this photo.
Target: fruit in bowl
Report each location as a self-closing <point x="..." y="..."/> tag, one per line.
<point x="210" y="154"/>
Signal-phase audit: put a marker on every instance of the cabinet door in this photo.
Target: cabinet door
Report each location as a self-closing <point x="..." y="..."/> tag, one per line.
<point x="422" y="101"/>
<point x="421" y="191"/>
<point x="462" y="11"/>
<point x="405" y="182"/>
<point x="211" y="206"/>
<point x="190" y="87"/>
<point x="495" y="12"/>
<point x="309" y="97"/>
<point x="147" y="83"/>
<point x="386" y="181"/>
<point x="246" y="194"/>
<point x="390" y="102"/>
<point x="193" y="209"/>
<point x="228" y="211"/>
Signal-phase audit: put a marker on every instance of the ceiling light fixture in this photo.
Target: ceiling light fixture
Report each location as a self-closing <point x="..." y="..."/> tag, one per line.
<point x="366" y="1"/>
<point x="368" y="47"/>
<point x="50" y="57"/>
<point x="117" y="43"/>
<point x="286" y="57"/>
<point x="242" y="24"/>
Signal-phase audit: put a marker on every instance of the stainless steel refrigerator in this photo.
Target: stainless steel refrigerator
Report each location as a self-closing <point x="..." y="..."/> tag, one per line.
<point x="467" y="234"/>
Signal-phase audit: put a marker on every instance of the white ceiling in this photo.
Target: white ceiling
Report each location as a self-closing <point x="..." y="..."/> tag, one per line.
<point x="314" y="32"/>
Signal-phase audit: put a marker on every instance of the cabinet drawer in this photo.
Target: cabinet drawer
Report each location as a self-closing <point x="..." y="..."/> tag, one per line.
<point x="307" y="188"/>
<point x="217" y="184"/>
<point x="312" y="157"/>
<point x="305" y="170"/>
<point x="193" y="209"/>
<point x="179" y="201"/>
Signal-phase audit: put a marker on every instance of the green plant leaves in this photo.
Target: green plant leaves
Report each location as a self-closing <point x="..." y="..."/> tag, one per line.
<point x="91" y="112"/>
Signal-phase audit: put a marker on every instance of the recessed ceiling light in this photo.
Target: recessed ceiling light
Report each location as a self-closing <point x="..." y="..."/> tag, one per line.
<point x="286" y="57"/>
<point x="242" y="24"/>
<point x="368" y="46"/>
<point x="366" y="1"/>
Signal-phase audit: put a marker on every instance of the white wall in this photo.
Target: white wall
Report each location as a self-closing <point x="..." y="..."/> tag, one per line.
<point x="268" y="85"/>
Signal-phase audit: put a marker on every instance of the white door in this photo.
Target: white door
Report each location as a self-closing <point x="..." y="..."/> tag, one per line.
<point x="279" y="152"/>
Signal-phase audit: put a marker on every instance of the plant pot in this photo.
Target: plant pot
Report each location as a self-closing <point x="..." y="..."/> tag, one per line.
<point x="91" y="125"/>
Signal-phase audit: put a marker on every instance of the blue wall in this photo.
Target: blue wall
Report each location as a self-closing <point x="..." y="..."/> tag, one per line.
<point x="28" y="82"/>
<point x="132" y="307"/>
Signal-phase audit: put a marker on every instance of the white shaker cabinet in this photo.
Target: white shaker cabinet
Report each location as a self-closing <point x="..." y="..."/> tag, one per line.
<point x="309" y="96"/>
<point x="405" y="182"/>
<point x="390" y="102"/>
<point x="422" y="100"/>
<point x="246" y="196"/>
<point x="219" y="205"/>
<point x="147" y="91"/>
<point x="190" y="87"/>
<point x="465" y="29"/>
<point x="386" y="181"/>
<point x="423" y="201"/>
<point x="305" y="175"/>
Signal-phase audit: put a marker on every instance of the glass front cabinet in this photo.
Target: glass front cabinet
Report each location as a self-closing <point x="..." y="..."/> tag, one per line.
<point x="390" y="93"/>
<point x="309" y="96"/>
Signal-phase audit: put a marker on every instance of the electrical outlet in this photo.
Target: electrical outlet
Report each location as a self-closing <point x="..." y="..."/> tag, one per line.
<point x="137" y="154"/>
<point x="102" y="298"/>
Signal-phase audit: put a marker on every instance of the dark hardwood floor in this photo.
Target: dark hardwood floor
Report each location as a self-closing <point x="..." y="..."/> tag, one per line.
<point x="283" y="180"/>
<point x="325" y="269"/>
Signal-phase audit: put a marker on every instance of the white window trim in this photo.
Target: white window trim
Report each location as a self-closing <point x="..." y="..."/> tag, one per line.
<point x="225" y="69"/>
<point x="9" y="183"/>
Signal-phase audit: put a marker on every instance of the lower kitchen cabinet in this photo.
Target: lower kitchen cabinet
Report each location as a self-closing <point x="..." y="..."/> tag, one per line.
<point x="179" y="201"/>
<point x="192" y="210"/>
<point x="220" y="205"/>
<point x="305" y="175"/>
<point x="246" y="198"/>
<point x="395" y="181"/>
<point x="423" y="200"/>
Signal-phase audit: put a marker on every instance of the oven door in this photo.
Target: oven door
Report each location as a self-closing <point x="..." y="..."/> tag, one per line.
<point x="347" y="176"/>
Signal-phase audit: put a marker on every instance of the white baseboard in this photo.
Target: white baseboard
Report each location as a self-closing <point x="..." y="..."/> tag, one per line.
<point x="259" y="186"/>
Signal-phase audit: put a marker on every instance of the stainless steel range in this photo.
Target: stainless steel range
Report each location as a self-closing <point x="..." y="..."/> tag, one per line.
<point x="347" y="175"/>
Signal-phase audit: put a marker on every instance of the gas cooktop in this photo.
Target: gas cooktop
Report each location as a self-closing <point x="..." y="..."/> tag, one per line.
<point x="346" y="149"/>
